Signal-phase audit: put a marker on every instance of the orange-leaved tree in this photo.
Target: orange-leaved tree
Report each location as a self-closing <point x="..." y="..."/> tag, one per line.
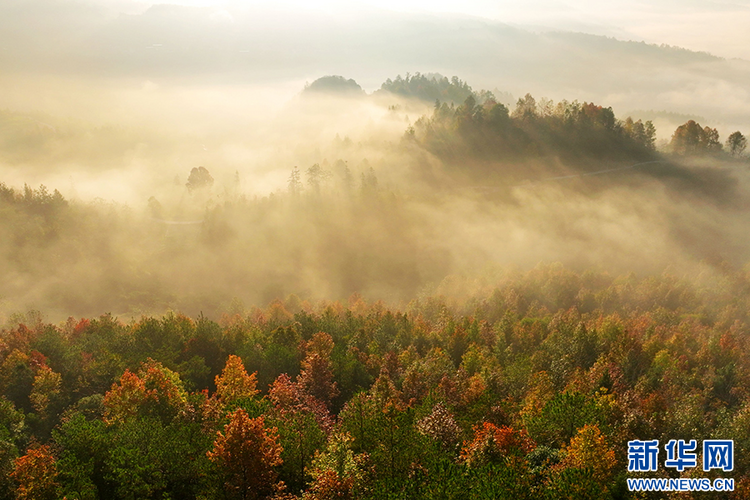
<point x="493" y="444"/>
<point x="155" y="390"/>
<point x="125" y="398"/>
<point x="36" y="475"/>
<point x="247" y="454"/>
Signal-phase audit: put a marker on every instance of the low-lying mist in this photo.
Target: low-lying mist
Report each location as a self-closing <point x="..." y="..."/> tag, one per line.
<point x="321" y="196"/>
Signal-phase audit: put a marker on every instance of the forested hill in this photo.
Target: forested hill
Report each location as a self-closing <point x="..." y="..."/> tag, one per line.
<point x="469" y="124"/>
<point x="568" y="130"/>
<point x="475" y="134"/>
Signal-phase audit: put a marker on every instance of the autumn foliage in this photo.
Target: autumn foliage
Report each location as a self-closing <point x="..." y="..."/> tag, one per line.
<point x="494" y="444"/>
<point x="532" y="392"/>
<point x="589" y="450"/>
<point x="328" y="485"/>
<point x="153" y="390"/>
<point x="316" y="377"/>
<point x="234" y="383"/>
<point x="36" y="475"/>
<point x="246" y="454"/>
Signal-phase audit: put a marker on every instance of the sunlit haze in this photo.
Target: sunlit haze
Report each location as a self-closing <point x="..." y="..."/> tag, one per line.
<point x="361" y="147"/>
<point x="716" y="27"/>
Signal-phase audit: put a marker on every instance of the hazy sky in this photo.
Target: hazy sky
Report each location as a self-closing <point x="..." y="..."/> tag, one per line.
<point x="719" y="27"/>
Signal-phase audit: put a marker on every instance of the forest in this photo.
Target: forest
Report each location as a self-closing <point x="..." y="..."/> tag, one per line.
<point x="531" y="389"/>
<point x="491" y="306"/>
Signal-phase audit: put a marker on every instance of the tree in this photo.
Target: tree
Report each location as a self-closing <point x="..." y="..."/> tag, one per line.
<point x="234" y="383"/>
<point x="147" y="458"/>
<point x="45" y="398"/>
<point x="736" y="143"/>
<point x="597" y="115"/>
<point x="12" y="434"/>
<point x="383" y="428"/>
<point x="642" y="133"/>
<point x="316" y="176"/>
<point x="497" y="116"/>
<point x="334" y="84"/>
<point x="710" y="140"/>
<point x="294" y="185"/>
<point x="125" y="398"/>
<point x="154" y="390"/>
<point x="440" y="426"/>
<point x="336" y="470"/>
<point x="369" y="181"/>
<point x="525" y="108"/>
<point x="689" y="138"/>
<point x="316" y="377"/>
<point x="561" y="418"/>
<point x="493" y="444"/>
<point x="302" y="421"/>
<point x="45" y="391"/>
<point x="649" y="135"/>
<point x="575" y="484"/>
<point x="17" y="379"/>
<point x="465" y="114"/>
<point x="589" y="450"/>
<point x="247" y="453"/>
<point x="199" y="178"/>
<point x="36" y="475"/>
<point x="84" y="451"/>
<point x="429" y="87"/>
